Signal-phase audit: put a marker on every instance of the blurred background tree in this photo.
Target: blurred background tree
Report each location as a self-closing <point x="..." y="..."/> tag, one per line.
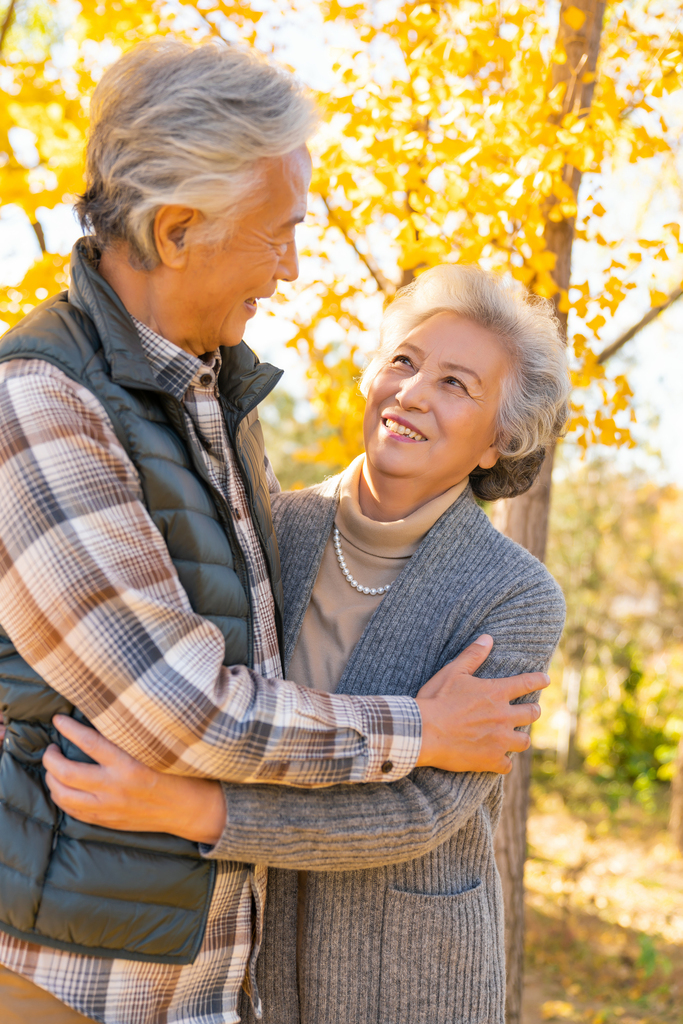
<point x="617" y="552"/>
<point x="468" y="131"/>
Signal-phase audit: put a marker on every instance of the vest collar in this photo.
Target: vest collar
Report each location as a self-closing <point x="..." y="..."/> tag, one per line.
<point x="243" y="380"/>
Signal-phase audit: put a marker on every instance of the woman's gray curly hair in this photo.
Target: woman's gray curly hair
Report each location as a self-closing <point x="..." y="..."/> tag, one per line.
<point x="172" y="123"/>
<point x="534" y="404"/>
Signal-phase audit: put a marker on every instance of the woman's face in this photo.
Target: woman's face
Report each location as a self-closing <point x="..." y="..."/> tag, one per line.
<point x="442" y="385"/>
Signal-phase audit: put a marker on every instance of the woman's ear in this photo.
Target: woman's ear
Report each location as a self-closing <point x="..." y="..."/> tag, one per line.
<point x="171" y="225"/>
<point x="489" y="458"/>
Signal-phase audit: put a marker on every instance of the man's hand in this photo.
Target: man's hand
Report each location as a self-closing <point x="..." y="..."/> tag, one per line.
<point x="118" y="792"/>
<point x="469" y="724"/>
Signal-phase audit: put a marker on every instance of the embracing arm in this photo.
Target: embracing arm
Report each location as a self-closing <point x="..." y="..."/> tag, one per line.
<point x="368" y="826"/>
<point x="349" y="827"/>
<point x="91" y="600"/>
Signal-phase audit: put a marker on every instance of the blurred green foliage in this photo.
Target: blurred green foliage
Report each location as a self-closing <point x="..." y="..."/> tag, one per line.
<point x="288" y="441"/>
<point x="616" y="548"/>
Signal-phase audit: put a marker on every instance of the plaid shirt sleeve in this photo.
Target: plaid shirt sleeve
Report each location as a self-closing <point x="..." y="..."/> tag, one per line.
<point x="92" y="601"/>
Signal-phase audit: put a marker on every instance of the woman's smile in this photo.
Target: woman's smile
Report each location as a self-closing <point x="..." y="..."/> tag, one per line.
<point x="400" y="430"/>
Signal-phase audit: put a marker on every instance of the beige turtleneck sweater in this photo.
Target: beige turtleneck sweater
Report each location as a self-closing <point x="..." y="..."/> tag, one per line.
<point x="375" y="553"/>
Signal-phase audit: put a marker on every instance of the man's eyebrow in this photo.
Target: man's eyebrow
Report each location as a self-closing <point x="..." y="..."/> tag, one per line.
<point x="453" y="367"/>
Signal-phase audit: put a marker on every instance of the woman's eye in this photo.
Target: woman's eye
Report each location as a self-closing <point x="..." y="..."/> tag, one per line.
<point x="401" y="359"/>
<point x="456" y="382"/>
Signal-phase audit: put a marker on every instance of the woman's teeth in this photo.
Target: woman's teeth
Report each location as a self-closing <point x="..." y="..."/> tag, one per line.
<point x="250" y="302"/>
<point x="398" y="428"/>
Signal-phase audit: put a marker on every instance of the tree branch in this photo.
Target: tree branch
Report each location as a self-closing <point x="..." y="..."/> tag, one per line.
<point x="643" y="322"/>
<point x="6" y="23"/>
<point x="383" y="283"/>
<point x="40" y="235"/>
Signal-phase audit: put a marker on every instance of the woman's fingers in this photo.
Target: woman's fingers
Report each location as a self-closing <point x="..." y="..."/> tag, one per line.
<point x="89" y="740"/>
<point x="74" y="774"/>
<point x="78" y="804"/>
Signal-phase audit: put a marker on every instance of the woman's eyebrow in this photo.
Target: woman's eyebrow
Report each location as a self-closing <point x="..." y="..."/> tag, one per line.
<point x="457" y="368"/>
<point x="448" y="367"/>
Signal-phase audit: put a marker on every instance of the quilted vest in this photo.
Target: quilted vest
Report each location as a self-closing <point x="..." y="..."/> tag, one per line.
<point x="83" y="888"/>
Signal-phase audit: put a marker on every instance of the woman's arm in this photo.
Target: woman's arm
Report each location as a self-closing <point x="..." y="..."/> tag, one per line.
<point x="292" y="828"/>
<point x="345" y="827"/>
<point x="334" y="829"/>
<point x="347" y="830"/>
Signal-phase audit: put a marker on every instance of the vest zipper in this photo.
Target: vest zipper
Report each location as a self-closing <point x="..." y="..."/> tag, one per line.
<point x="56" y="828"/>
<point x="225" y="513"/>
<point x="232" y="437"/>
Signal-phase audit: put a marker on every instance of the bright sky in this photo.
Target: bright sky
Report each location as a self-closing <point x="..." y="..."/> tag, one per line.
<point x="635" y="198"/>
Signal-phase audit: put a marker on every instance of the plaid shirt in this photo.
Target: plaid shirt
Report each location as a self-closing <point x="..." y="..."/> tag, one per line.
<point x="85" y="578"/>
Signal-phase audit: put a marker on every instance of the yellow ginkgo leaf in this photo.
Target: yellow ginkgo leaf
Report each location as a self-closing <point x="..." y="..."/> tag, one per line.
<point x="574" y="17"/>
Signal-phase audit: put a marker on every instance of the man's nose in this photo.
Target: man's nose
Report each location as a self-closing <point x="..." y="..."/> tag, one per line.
<point x="288" y="267"/>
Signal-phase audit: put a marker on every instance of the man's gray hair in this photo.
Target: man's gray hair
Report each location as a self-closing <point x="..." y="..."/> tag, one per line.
<point x="175" y="123"/>
<point x="534" y="404"/>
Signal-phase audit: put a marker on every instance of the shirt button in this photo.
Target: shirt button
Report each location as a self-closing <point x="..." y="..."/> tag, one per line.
<point x="205" y="380"/>
<point x="237" y="514"/>
<point x="387" y="767"/>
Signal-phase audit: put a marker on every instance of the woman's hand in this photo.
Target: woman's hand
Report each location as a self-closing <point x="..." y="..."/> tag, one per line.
<point x="121" y="793"/>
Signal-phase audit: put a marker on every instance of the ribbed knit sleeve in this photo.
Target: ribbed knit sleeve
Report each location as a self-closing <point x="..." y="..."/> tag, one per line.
<point x="349" y="827"/>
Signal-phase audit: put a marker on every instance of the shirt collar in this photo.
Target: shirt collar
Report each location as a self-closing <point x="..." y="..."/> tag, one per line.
<point x="174" y="369"/>
<point x="397" y="539"/>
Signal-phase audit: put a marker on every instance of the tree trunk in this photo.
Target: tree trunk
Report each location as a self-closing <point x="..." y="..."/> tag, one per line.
<point x="525" y="519"/>
<point x="510" y="858"/>
<point x="676" y="820"/>
<point x="566" y="739"/>
<point x="582" y="47"/>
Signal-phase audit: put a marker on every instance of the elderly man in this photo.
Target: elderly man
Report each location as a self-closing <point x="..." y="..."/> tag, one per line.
<point x="140" y="585"/>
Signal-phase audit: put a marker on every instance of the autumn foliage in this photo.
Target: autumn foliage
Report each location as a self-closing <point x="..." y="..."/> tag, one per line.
<point x="447" y="137"/>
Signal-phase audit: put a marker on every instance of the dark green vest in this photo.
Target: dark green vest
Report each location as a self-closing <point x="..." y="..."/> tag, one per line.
<point x="79" y="887"/>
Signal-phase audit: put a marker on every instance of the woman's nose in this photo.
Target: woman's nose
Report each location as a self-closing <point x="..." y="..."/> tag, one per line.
<point x="413" y="392"/>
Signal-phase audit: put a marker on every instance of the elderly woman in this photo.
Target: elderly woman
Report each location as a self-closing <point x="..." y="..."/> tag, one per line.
<point x="384" y="901"/>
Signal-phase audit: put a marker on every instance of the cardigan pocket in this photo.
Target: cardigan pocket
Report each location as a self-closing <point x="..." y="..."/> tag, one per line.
<point x="436" y="958"/>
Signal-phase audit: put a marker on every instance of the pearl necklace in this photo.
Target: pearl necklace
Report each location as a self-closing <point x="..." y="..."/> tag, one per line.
<point x="372" y="591"/>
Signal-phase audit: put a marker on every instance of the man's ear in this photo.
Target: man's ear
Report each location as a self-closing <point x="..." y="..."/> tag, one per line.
<point x="171" y="225"/>
<point x="489" y="458"/>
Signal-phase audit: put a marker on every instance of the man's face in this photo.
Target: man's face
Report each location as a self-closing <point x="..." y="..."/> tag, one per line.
<point x="223" y="283"/>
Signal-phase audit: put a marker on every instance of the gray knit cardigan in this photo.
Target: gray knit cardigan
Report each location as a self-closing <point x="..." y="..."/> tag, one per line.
<point x="404" y="914"/>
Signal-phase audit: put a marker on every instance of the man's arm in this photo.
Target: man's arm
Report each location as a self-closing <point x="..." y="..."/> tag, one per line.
<point x="92" y="601"/>
<point x="280" y="825"/>
<point x="350" y="827"/>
